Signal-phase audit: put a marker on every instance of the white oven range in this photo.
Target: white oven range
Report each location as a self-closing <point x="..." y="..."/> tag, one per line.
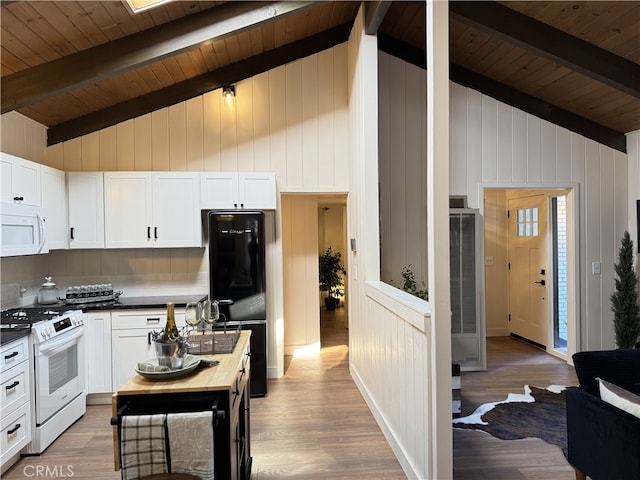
<point x="59" y="386"/>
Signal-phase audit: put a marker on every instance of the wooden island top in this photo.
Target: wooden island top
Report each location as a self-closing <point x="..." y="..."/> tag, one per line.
<point x="214" y="378"/>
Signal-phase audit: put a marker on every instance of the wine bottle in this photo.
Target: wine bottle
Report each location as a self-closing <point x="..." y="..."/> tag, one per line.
<point x="170" y="330"/>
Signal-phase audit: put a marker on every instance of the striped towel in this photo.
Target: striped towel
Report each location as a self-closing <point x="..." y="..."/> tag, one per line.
<point x="191" y="443"/>
<point x="142" y="446"/>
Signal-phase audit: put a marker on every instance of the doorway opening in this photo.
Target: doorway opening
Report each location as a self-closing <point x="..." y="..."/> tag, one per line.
<point x="332" y="239"/>
<point x="530" y="250"/>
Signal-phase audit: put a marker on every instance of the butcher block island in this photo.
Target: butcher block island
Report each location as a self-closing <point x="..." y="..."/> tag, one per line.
<point x="219" y="393"/>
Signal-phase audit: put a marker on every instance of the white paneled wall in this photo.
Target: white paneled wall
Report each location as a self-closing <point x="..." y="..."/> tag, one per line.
<point x="633" y="149"/>
<point x="494" y="145"/>
<point x="402" y="169"/>
<point x="291" y="120"/>
<point x="300" y="273"/>
<point x="532" y="153"/>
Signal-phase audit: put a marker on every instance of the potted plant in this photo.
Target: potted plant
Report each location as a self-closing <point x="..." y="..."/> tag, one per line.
<point x="330" y="268"/>
<point x="624" y="301"/>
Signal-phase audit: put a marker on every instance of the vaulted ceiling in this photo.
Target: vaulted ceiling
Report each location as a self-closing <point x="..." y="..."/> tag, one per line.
<point x="78" y="66"/>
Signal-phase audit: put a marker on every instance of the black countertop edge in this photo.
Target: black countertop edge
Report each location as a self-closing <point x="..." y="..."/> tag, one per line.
<point x="131" y="303"/>
<point x="10" y="335"/>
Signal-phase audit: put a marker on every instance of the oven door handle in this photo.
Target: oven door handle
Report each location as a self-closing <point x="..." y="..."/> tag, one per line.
<point x="60" y="345"/>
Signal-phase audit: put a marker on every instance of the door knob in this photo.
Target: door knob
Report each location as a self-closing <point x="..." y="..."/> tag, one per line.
<point x="541" y="282"/>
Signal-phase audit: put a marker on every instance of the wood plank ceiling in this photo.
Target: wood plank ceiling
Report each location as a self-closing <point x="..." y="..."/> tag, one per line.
<point x="78" y="66"/>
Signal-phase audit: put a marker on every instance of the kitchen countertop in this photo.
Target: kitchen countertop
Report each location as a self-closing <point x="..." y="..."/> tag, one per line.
<point x="220" y="377"/>
<point x="9" y="335"/>
<point x="130" y="303"/>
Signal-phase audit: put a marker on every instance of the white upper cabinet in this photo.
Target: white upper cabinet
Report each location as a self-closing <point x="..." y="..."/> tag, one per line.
<point x="20" y="180"/>
<point x="231" y="190"/>
<point x="159" y="209"/>
<point x="54" y="204"/>
<point x="86" y="209"/>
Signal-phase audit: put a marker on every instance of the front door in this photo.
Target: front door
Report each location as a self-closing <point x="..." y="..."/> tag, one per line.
<point x="528" y="268"/>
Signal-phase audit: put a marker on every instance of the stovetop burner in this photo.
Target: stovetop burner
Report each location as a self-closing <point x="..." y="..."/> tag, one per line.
<point x="30" y="315"/>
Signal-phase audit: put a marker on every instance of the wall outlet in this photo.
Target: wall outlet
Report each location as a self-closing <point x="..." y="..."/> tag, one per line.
<point x="595" y="268"/>
<point x="488" y="260"/>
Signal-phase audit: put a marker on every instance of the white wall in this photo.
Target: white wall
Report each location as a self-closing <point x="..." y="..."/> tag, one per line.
<point x="292" y="120"/>
<point x="494" y="145"/>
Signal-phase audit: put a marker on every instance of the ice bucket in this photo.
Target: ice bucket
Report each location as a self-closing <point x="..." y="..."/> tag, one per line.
<point x="170" y="354"/>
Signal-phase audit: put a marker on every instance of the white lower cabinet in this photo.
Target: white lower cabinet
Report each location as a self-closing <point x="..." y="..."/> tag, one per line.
<point x="98" y="341"/>
<point x="131" y="340"/>
<point x="15" y="404"/>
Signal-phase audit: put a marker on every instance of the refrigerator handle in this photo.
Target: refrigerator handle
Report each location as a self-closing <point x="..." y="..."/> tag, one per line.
<point x="226" y="301"/>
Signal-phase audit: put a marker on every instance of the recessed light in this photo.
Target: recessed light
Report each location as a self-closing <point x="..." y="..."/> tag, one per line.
<point x="141" y="5"/>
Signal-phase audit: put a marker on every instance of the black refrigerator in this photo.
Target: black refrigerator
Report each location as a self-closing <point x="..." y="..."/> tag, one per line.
<point x="237" y="280"/>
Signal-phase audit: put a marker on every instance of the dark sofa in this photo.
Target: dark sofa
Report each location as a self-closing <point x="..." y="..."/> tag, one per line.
<point x="603" y="441"/>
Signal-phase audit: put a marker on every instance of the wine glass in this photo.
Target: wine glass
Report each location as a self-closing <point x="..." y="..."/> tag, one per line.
<point x="211" y="313"/>
<point x="193" y="317"/>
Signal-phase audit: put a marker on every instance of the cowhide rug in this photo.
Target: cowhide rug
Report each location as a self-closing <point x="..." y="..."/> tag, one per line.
<point x="539" y="412"/>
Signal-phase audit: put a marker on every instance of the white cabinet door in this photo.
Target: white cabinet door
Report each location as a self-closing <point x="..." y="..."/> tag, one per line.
<point x="20" y="180"/>
<point x="86" y="209"/>
<point x="219" y="191"/>
<point x="247" y="190"/>
<point x="159" y="209"/>
<point x="131" y="342"/>
<point x="128" y="209"/>
<point x="176" y="210"/>
<point x="98" y="341"/>
<point x="257" y="190"/>
<point x="54" y="204"/>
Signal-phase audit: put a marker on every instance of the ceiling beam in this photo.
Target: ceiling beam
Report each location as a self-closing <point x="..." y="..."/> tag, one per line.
<point x="539" y="108"/>
<point x="374" y="12"/>
<point x="551" y="43"/>
<point x="114" y="58"/>
<point x="510" y="96"/>
<point x="198" y="85"/>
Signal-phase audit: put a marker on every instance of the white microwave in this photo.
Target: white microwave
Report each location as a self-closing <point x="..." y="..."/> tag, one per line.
<point x="23" y="230"/>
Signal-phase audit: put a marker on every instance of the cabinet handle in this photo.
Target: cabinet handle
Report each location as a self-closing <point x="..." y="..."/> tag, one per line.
<point x="13" y="385"/>
<point x="149" y="233"/>
<point x="14" y="429"/>
<point x="18" y="199"/>
<point x="11" y="355"/>
<point x="242" y="205"/>
<point x="155" y="232"/>
<point x="72" y="237"/>
<point x="153" y="319"/>
<point x="148" y="338"/>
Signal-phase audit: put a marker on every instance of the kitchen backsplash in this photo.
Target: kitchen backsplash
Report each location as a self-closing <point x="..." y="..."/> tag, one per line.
<point x="135" y="272"/>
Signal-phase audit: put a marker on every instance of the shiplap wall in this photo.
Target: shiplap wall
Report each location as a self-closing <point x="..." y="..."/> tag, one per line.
<point x="494" y="145"/>
<point x="633" y="150"/>
<point x="292" y="120"/>
<point x="402" y="169"/>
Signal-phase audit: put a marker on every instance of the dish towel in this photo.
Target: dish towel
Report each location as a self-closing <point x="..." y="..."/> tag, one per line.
<point x="191" y="443"/>
<point x="142" y="446"/>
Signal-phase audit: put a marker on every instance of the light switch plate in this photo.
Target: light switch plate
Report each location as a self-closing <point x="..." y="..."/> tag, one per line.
<point x="595" y="268"/>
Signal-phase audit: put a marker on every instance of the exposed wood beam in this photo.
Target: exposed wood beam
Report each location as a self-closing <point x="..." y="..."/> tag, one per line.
<point x="114" y="58"/>
<point x="539" y="108"/>
<point x="551" y="43"/>
<point x="374" y="12"/>
<point x="198" y="85"/>
<point x="510" y="96"/>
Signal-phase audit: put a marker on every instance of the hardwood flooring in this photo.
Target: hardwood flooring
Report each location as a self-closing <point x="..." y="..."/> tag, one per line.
<point x="315" y="425"/>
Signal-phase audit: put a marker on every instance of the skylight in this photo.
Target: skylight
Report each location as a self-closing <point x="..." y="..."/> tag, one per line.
<point x="141" y="5"/>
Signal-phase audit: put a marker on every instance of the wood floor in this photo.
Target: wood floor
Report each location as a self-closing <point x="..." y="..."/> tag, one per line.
<point x="314" y="424"/>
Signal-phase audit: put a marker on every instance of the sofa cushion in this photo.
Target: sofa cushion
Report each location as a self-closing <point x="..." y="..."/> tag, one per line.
<point x="619" y="397"/>
<point x="620" y="367"/>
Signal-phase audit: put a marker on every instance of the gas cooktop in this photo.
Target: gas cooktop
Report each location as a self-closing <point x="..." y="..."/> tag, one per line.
<point x="25" y="316"/>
